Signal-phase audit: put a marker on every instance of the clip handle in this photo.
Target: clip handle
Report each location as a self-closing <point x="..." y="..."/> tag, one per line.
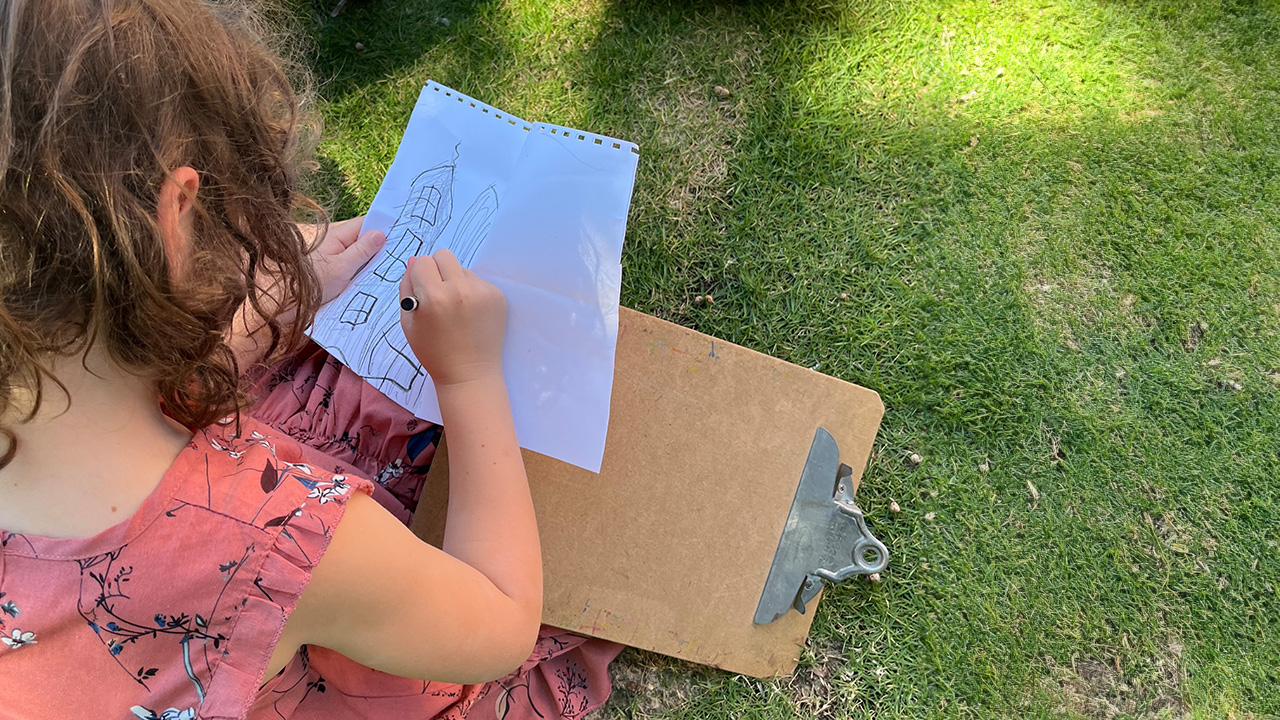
<point x="825" y="538"/>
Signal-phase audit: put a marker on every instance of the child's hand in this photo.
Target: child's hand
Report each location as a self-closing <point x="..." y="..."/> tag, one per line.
<point x="341" y="253"/>
<point x="456" y="331"/>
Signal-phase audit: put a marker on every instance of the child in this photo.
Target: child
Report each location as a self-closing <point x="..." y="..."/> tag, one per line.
<point x="162" y="554"/>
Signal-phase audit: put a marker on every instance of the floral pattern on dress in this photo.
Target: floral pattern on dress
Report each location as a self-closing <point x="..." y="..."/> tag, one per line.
<point x="15" y="638"/>
<point x="326" y="492"/>
<point x="19" y="639"/>
<point x="107" y="611"/>
<point x="170" y="714"/>
<point x="190" y="635"/>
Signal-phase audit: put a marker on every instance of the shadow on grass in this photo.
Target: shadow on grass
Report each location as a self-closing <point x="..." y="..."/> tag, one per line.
<point x="651" y="75"/>
<point x="372" y="41"/>
<point x="332" y="189"/>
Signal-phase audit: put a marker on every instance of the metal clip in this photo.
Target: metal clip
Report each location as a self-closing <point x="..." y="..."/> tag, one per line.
<point x="825" y="538"/>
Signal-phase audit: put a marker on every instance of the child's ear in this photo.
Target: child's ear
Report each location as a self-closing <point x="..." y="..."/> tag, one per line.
<point x="175" y="214"/>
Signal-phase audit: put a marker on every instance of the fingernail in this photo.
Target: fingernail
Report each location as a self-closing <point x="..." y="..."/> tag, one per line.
<point x="410" y="263"/>
<point x="378" y="238"/>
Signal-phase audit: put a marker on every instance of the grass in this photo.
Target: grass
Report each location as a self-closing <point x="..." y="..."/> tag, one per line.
<point x="1056" y="225"/>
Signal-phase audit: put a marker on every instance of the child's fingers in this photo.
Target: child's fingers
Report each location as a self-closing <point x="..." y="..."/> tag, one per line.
<point x="450" y="268"/>
<point x="425" y="272"/>
<point x="406" y="282"/>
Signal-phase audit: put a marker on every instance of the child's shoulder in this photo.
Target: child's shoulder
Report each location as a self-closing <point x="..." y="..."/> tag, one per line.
<point x="250" y="472"/>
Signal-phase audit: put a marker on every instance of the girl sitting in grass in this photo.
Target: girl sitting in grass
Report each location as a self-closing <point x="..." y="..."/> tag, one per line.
<point x="179" y="539"/>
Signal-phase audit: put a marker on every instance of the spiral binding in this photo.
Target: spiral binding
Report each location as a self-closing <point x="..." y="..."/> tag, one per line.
<point x="556" y="130"/>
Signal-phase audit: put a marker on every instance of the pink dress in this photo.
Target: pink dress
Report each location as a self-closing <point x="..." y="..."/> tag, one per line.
<point x="174" y="613"/>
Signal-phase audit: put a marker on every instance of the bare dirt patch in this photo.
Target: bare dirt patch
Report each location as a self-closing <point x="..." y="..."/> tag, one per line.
<point x="1074" y="300"/>
<point x="1141" y="115"/>
<point x="1101" y="690"/>
<point x="810" y="686"/>
<point x="647" y="685"/>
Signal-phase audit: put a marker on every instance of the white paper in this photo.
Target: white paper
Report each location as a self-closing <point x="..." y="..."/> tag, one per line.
<point x="540" y="211"/>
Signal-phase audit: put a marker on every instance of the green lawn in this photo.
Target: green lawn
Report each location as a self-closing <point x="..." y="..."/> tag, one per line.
<point x="1056" y="226"/>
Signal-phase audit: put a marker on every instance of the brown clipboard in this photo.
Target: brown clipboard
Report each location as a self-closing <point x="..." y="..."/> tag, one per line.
<point x="669" y="547"/>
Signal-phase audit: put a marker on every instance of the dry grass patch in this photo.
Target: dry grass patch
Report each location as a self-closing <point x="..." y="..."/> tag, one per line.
<point x="1101" y="690"/>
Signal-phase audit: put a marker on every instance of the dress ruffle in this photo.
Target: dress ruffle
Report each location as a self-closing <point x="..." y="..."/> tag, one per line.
<point x="299" y="524"/>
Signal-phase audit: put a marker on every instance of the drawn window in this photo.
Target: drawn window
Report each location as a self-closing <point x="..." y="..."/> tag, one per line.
<point x="390" y="269"/>
<point x="357" y="311"/>
<point x="398" y="367"/>
<point x="409" y="245"/>
<point x="427" y="205"/>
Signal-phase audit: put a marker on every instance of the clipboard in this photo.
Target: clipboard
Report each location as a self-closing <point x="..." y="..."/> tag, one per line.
<point x="718" y="508"/>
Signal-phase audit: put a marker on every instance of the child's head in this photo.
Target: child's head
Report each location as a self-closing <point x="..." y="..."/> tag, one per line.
<point x="100" y="100"/>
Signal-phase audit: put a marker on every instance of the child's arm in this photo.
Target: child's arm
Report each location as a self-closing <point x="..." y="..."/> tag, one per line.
<point x="382" y="597"/>
<point x="457" y="336"/>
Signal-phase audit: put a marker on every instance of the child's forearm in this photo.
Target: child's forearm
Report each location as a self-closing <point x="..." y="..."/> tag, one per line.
<point x="491" y="524"/>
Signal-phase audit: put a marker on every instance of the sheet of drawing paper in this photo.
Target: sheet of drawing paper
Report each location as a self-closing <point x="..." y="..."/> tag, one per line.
<point x="540" y="211"/>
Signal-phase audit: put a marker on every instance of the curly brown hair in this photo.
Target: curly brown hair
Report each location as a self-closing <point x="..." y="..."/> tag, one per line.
<point x="99" y="101"/>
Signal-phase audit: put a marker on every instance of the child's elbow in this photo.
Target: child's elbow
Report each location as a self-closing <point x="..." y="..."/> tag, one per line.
<point x="523" y="639"/>
<point x="507" y="650"/>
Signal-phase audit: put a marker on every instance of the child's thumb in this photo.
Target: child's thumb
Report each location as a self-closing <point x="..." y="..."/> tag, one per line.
<point x="365" y="247"/>
<point x="373" y="240"/>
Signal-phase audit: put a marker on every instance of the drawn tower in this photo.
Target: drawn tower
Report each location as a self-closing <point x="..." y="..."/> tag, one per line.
<point x="385" y="358"/>
<point x="373" y="311"/>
